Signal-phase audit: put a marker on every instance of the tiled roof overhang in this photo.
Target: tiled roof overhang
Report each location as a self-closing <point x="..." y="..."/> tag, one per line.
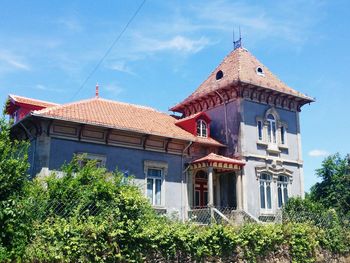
<point x="218" y="162"/>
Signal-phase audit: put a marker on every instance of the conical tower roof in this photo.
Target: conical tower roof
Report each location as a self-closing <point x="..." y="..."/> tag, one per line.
<point x="240" y="67"/>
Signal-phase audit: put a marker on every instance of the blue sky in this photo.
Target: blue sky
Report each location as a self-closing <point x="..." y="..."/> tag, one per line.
<point x="48" y="48"/>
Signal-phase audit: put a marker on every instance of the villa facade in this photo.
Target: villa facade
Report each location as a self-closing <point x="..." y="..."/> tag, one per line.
<point x="235" y="142"/>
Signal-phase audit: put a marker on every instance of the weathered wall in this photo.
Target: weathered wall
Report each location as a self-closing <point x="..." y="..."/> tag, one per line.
<point x="126" y="159"/>
<point x="217" y="125"/>
<point x="256" y="155"/>
<point x="252" y="110"/>
<point x="252" y="191"/>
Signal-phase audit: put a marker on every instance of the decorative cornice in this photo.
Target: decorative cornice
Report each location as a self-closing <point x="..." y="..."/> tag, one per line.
<point x="246" y="91"/>
<point x="274" y="170"/>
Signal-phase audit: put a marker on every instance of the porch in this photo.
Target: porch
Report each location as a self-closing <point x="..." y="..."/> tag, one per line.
<point x="215" y="189"/>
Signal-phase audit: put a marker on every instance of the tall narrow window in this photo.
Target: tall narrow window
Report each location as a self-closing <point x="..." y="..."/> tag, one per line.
<point x="265" y="191"/>
<point x="154" y="185"/>
<point x="202" y="128"/>
<point x="283" y="134"/>
<point x="271" y="128"/>
<point x="260" y="130"/>
<point x="282" y="190"/>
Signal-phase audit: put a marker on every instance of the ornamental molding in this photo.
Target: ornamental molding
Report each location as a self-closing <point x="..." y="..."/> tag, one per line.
<point x="245" y="91"/>
<point x="274" y="170"/>
<point x="274" y="112"/>
<point x="155" y="164"/>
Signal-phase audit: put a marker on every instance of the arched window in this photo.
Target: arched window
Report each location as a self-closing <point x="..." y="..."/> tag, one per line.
<point x="202" y="128"/>
<point x="265" y="191"/>
<point x="282" y="190"/>
<point x="271" y="128"/>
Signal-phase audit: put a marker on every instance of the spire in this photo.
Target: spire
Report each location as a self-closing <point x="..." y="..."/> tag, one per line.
<point x="237" y="43"/>
<point x="96" y="92"/>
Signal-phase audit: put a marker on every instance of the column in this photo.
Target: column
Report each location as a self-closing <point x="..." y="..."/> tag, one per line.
<point x="217" y="197"/>
<point x="210" y="187"/>
<point x="239" y="190"/>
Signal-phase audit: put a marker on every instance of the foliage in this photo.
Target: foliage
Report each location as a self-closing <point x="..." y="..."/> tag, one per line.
<point x="86" y="213"/>
<point x="13" y="178"/>
<point x="333" y="190"/>
<point x="333" y="231"/>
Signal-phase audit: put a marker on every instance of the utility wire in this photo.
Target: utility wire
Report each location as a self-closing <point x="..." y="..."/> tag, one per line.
<point x="109" y="49"/>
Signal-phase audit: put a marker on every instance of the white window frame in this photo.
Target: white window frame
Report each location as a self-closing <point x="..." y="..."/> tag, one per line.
<point x="157" y="165"/>
<point x="202" y="125"/>
<point x="272" y="129"/>
<point x="92" y="156"/>
<point x="265" y="183"/>
<point x="284" y="186"/>
<point x="284" y="127"/>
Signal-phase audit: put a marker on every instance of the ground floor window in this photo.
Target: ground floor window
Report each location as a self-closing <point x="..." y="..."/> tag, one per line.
<point x="154" y="186"/>
<point x="265" y="191"/>
<point x="282" y="190"/>
<point x="83" y="158"/>
<point x="155" y="174"/>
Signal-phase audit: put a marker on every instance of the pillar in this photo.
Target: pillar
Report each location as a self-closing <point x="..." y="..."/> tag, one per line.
<point x="239" y="190"/>
<point x="210" y="187"/>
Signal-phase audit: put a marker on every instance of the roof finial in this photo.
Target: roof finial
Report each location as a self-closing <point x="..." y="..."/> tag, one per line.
<point x="237" y="43"/>
<point x="96" y="92"/>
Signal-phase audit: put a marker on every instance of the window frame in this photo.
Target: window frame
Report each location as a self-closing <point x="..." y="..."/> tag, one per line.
<point x="260" y="130"/>
<point x="271" y="128"/>
<point x="265" y="183"/>
<point x="283" y="185"/>
<point x="100" y="158"/>
<point x="154" y="180"/>
<point x="283" y="135"/>
<point x="202" y="125"/>
<point x="156" y="165"/>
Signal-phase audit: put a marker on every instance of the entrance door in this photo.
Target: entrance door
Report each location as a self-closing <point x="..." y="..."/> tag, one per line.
<point x="228" y="190"/>
<point x="201" y="189"/>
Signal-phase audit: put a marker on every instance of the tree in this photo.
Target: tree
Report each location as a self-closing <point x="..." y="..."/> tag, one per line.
<point x="334" y="189"/>
<point x="13" y="178"/>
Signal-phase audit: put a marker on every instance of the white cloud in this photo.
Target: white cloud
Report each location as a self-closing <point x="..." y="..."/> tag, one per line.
<point x="121" y="67"/>
<point x="11" y="60"/>
<point x="45" y="88"/>
<point x="71" y="23"/>
<point x="177" y="43"/>
<point x="111" y="89"/>
<point x="318" y="153"/>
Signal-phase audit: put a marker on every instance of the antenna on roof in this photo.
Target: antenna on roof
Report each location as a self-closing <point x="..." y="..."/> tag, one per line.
<point x="96" y="91"/>
<point x="237" y="43"/>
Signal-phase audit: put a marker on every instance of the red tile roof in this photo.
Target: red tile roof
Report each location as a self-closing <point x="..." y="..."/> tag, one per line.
<point x="241" y="66"/>
<point x="212" y="157"/>
<point x="29" y="101"/>
<point x="123" y="116"/>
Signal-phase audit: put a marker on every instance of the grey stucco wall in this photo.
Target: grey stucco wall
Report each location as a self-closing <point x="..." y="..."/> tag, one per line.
<point x="252" y="110"/>
<point x="252" y="191"/>
<point x="217" y="125"/>
<point x="126" y="159"/>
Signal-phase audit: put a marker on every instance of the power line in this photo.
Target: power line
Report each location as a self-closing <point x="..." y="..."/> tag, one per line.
<point x="110" y="48"/>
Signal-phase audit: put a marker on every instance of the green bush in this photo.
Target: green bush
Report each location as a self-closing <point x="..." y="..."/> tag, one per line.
<point x="90" y="214"/>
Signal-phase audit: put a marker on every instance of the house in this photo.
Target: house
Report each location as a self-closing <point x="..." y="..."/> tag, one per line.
<point x="236" y="145"/>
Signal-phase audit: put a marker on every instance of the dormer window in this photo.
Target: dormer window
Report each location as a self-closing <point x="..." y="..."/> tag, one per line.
<point x="202" y="128"/>
<point x="219" y="75"/>
<point x="260" y="71"/>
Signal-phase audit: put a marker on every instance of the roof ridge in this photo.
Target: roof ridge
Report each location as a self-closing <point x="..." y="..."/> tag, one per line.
<point x="61" y="106"/>
<point x="131" y="104"/>
<point x="22" y="97"/>
<point x="239" y="63"/>
<point x="42" y="111"/>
